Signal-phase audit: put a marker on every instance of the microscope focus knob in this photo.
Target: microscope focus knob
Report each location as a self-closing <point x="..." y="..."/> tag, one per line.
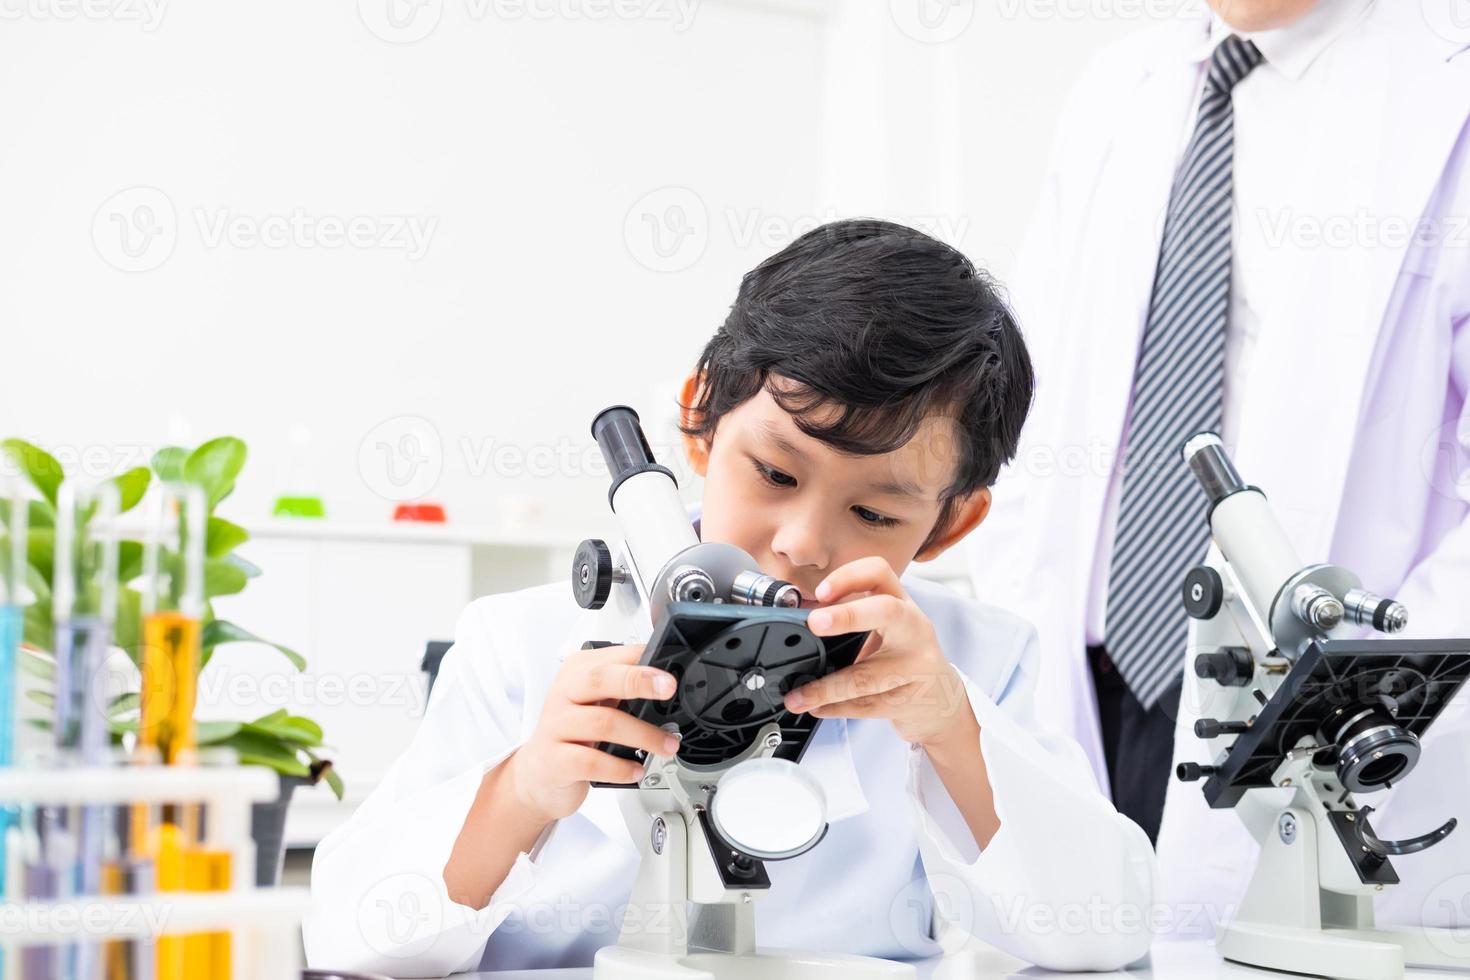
<point x="1214" y="728"/>
<point x="1203" y="592"/>
<point x="1190" y="772"/>
<point x="592" y="573"/>
<point x="1228" y="667"/>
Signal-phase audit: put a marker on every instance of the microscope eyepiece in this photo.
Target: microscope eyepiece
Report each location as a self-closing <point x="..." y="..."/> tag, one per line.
<point x="1217" y="476"/>
<point x="624" y="447"/>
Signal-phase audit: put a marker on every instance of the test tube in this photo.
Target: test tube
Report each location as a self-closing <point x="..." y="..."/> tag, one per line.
<point x="173" y="603"/>
<point x="14" y="512"/>
<point x="84" y="608"/>
<point x="173" y="606"/>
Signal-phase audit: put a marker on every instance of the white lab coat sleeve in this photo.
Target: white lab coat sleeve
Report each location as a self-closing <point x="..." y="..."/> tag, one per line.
<point x="379" y="902"/>
<point x="1067" y="882"/>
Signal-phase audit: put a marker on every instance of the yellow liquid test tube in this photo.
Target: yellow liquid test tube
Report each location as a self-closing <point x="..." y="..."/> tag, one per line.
<point x="170" y="686"/>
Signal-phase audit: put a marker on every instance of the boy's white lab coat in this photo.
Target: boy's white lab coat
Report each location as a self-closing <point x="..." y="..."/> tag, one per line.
<point x="1066" y="883"/>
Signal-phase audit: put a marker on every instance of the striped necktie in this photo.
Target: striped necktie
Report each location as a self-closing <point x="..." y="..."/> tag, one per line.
<point x="1177" y="391"/>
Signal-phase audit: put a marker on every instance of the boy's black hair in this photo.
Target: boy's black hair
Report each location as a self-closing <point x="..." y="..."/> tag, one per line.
<point x="881" y="326"/>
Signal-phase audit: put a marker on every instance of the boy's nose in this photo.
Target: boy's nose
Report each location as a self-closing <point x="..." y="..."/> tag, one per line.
<point x="801" y="544"/>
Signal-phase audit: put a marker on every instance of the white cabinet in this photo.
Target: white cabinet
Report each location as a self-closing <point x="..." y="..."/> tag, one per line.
<point x="359" y="604"/>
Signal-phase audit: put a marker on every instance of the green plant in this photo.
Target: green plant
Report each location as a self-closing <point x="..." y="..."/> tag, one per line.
<point x="287" y="743"/>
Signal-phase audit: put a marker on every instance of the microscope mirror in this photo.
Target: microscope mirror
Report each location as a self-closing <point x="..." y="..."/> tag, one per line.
<point x="769" y="808"/>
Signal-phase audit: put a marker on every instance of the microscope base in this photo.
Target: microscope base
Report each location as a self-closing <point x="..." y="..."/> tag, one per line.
<point x="1288" y="922"/>
<point x="1349" y="954"/>
<point x="624" y="963"/>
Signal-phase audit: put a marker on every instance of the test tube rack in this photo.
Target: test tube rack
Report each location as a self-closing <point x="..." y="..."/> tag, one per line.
<point x="264" y="923"/>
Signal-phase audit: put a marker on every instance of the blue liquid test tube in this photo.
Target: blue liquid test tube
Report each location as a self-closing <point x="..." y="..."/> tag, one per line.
<point x="14" y="514"/>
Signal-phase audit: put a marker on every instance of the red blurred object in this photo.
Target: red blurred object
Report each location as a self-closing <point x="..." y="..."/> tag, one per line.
<point x="426" y="513"/>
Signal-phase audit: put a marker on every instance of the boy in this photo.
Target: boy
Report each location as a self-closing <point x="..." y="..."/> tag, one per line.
<point x="848" y="418"/>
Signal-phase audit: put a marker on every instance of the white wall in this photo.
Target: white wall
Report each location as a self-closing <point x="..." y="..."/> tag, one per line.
<point x="525" y="149"/>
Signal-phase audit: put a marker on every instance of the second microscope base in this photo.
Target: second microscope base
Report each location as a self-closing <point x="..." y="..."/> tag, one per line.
<point x="623" y="963"/>
<point x="1349" y="954"/>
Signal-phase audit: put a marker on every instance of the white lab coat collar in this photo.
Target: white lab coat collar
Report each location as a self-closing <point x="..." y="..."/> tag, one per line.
<point x="1290" y="50"/>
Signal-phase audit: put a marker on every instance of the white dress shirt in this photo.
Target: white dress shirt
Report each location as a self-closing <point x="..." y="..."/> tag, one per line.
<point x="1262" y="113"/>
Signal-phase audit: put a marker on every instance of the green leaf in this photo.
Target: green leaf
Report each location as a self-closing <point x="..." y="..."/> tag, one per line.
<point x="127" y="629"/>
<point x="129" y="560"/>
<point x="223" y="537"/>
<point x="44" y="698"/>
<point x="329" y="773"/>
<point x="131" y="486"/>
<point x="250" y="569"/>
<point x="302" y="731"/>
<point x="39" y="513"/>
<point x="39" y="466"/>
<point x="168" y="463"/>
<point x="223" y="577"/>
<point x="37" y="664"/>
<point x="262" y="750"/>
<point x="222" y="631"/>
<point x="216" y="732"/>
<point x="124" y="703"/>
<point x="40" y="552"/>
<point x="214" y="466"/>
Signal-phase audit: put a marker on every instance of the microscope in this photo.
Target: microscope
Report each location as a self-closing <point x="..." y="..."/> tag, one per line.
<point x="707" y="819"/>
<point x="1297" y="701"/>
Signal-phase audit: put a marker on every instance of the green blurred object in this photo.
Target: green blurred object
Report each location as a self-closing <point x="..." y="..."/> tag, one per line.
<point x="299" y="507"/>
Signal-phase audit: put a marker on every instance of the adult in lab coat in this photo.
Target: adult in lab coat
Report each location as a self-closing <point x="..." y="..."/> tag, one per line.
<point x="1066" y="882"/>
<point x="1346" y="372"/>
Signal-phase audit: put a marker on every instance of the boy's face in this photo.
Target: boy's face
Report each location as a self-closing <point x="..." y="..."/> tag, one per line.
<point x="802" y="509"/>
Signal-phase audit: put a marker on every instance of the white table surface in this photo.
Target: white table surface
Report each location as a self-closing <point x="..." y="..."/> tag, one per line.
<point x="1169" y="961"/>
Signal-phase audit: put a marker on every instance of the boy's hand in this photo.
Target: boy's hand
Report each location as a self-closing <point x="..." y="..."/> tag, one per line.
<point x="550" y="772"/>
<point x="900" y="674"/>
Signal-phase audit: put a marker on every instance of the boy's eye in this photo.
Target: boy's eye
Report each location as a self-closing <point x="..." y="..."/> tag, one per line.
<point x="773" y="476"/>
<point x="874" y="518"/>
